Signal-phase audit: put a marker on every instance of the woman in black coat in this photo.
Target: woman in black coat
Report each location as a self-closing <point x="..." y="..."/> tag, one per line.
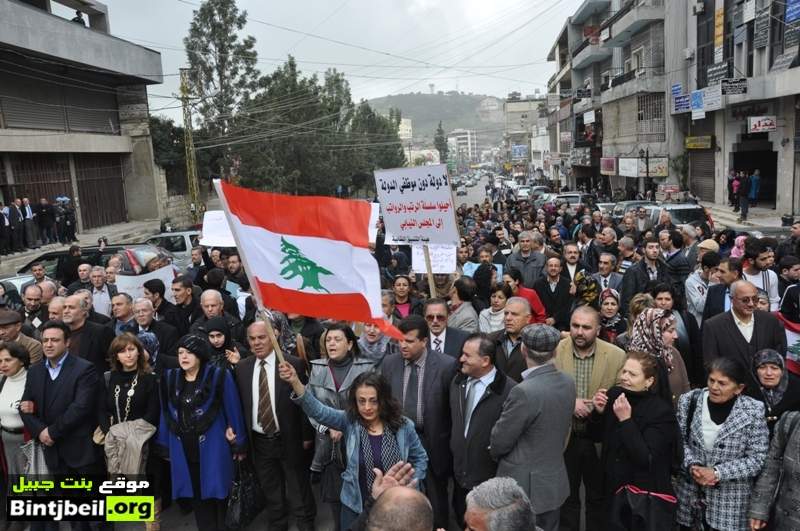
<point x="638" y="430"/>
<point x="779" y="389"/>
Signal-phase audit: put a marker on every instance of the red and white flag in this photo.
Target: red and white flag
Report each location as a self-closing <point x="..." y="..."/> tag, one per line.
<point x="307" y="255"/>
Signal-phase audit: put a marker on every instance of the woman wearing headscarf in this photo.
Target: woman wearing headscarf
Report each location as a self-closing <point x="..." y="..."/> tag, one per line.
<point x="485" y="277"/>
<point x="225" y="352"/>
<point x="203" y="429"/>
<point x="330" y="382"/>
<point x="688" y="341"/>
<point x="779" y="388"/>
<point x="587" y="290"/>
<point x="374" y="344"/>
<point x="612" y="324"/>
<point x="654" y="333"/>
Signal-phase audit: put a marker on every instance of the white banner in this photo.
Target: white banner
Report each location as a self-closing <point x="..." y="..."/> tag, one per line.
<point x="216" y="231"/>
<point x="133" y="285"/>
<point x="417" y="204"/>
<point x="443" y="258"/>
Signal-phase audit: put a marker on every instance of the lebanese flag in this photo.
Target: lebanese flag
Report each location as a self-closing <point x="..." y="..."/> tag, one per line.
<point x="792" y="343"/>
<point x="307" y="255"/>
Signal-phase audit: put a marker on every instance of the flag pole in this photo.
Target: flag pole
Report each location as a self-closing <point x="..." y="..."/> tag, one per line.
<point x="431" y="286"/>
<point x="254" y="291"/>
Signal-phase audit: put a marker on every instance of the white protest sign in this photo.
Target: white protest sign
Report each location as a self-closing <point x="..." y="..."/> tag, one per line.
<point x="133" y="285"/>
<point x="417" y="204"/>
<point x="216" y="231"/>
<point x="443" y="258"/>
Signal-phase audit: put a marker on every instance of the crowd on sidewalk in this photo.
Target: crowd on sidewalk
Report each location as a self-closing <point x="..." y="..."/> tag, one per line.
<point x="24" y="225"/>
<point x="567" y="353"/>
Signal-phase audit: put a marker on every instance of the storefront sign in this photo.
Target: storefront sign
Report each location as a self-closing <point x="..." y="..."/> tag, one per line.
<point x="681" y="104"/>
<point x="565" y="93"/>
<point x="734" y="86"/>
<point x="698" y="109"/>
<point x="740" y="35"/>
<point x="761" y="124"/>
<point x="761" y="29"/>
<point x="719" y="34"/>
<point x="608" y="166"/>
<point x="677" y="89"/>
<point x="791" y="35"/>
<point x="605" y="34"/>
<point x="583" y="93"/>
<point x="566" y="137"/>
<point x="699" y="142"/>
<point x="784" y="61"/>
<point x="716" y="73"/>
<point x="712" y="98"/>
<point x="588" y="117"/>
<point x="659" y="167"/>
<point x="581" y="156"/>
<point x="792" y="11"/>
<point x="628" y="167"/>
<point x="553" y="100"/>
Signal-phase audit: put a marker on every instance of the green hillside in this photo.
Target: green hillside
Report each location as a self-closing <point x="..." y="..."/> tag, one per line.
<point x="455" y="110"/>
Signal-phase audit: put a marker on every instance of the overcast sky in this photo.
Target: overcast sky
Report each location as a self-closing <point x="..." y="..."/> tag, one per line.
<point x="480" y="46"/>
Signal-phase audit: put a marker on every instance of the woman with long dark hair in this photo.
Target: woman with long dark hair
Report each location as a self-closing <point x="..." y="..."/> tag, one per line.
<point x="203" y="429"/>
<point x="376" y="435"/>
<point x="404" y="303"/>
<point x="330" y="381"/>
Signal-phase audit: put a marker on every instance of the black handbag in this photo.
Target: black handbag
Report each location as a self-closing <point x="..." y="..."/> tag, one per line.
<point x="246" y="499"/>
<point x="633" y="509"/>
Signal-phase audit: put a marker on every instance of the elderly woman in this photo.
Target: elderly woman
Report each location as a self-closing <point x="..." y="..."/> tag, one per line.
<point x="202" y="428"/>
<point x="14" y="362"/>
<point x="376" y="435"/>
<point x="492" y="318"/>
<point x="330" y="382"/>
<point x="374" y="345"/>
<point x="654" y="333"/>
<point x="612" y="324"/>
<point x="779" y="388"/>
<point x="725" y="442"/>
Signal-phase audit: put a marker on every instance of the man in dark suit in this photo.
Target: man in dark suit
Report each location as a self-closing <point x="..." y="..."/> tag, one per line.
<point x="59" y="408"/>
<point x="590" y="254"/>
<point x="572" y="262"/>
<point x="718" y="299"/>
<point x="638" y="277"/>
<point x="742" y="332"/>
<point x="143" y="315"/>
<point x="477" y="395"/>
<point x="88" y="340"/>
<point x="155" y="291"/>
<point x="16" y="224"/>
<point x="420" y="380"/>
<point x="187" y="306"/>
<point x="443" y="339"/>
<point x="607" y="276"/>
<point x="122" y="312"/>
<point x="92" y="316"/>
<point x="678" y="267"/>
<point x="529" y="438"/>
<point x="34" y="313"/>
<point x="279" y="433"/>
<point x="555" y="291"/>
<point x="507" y="342"/>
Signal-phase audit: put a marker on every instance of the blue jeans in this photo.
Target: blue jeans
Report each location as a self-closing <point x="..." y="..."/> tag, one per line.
<point x="348" y="517"/>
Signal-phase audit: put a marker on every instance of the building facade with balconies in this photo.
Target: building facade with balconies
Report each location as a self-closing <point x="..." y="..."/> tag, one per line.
<point x="74" y="112"/>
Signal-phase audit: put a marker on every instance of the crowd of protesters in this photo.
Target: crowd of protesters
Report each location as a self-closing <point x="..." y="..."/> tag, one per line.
<point x="25" y="225"/>
<point x="571" y="364"/>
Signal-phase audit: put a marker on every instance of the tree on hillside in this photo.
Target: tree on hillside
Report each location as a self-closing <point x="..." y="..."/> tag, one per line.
<point x="223" y="67"/>
<point x="169" y="152"/>
<point x="440" y="143"/>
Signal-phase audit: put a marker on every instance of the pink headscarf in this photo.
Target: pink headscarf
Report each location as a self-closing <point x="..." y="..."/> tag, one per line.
<point x="738" y="247"/>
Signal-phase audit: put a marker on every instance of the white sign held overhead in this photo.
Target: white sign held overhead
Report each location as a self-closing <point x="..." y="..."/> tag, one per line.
<point x="417" y="204"/>
<point x="133" y="285"/>
<point x="216" y="231"/>
<point x="443" y="258"/>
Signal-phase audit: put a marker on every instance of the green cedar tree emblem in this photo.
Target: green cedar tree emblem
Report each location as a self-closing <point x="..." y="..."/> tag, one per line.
<point x="298" y="265"/>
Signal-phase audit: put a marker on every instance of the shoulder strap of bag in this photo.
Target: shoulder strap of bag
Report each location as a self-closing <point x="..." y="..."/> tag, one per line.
<point x="693" y="400"/>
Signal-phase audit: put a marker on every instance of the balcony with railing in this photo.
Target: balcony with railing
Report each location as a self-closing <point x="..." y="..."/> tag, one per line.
<point x="649" y="79"/>
<point x="588" y="9"/>
<point x="633" y="17"/>
<point x="589" y="52"/>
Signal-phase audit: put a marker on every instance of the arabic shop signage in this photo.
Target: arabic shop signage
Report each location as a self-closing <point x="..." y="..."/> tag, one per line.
<point x="608" y="166"/>
<point x="761" y="124"/>
<point x="699" y="142"/>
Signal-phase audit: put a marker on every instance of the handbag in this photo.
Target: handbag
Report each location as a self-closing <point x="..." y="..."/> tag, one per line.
<point x="246" y="499"/>
<point x="31" y="459"/>
<point x="640" y="510"/>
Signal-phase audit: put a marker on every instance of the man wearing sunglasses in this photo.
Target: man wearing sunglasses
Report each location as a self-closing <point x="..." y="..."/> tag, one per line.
<point x="443" y="339"/>
<point x="743" y="331"/>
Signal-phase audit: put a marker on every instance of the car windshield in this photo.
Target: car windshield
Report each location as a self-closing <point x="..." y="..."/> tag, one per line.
<point x="687" y="215"/>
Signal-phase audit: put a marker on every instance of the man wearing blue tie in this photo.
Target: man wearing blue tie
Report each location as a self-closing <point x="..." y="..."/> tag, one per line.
<point x="31" y="236"/>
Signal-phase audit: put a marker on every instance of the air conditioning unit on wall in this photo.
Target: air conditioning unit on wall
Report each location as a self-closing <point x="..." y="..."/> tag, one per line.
<point x="699" y="8"/>
<point x="688" y="53"/>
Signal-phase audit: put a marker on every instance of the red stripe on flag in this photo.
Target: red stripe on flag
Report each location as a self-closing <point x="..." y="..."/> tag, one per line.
<point x="342" y="306"/>
<point x="318" y="217"/>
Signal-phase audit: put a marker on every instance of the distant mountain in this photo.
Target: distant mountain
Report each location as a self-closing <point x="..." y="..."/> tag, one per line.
<point x="455" y="110"/>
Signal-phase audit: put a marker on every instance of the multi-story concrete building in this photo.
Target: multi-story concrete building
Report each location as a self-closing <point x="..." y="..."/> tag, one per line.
<point x="466" y="145"/>
<point x="560" y="120"/>
<point x="74" y="112"/>
<point x="521" y="117"/>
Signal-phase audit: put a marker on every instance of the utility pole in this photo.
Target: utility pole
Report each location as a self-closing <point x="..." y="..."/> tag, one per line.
<point x="191" y="166"/>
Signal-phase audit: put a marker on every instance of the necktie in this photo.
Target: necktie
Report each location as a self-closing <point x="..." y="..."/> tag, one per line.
<point x="265" y="415"/>
<point x="605" y="283"/>
<point x="412" y="390"/>
<point x="472" y="387"/>
<point x="437" y="345"/>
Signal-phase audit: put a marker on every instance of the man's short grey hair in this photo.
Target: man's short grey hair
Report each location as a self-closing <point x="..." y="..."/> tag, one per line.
<point x="610" y="232"/>
<point x="537" y="238"/>
<point x="610" y="257"/>
<point x="520" y="300"/>
<point x="50" y="284"/>
<point x="146" y="302"/>
<point x="627" y="242"/>
<point x="525" y="234"/>
<point x="738" y="284"/>
<point x="211" y="293"/>
<point x="388" y="293"/>
<point x="506" y="505"/>
<point x="101" y="269"/>
<point x="57" y="300"/>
